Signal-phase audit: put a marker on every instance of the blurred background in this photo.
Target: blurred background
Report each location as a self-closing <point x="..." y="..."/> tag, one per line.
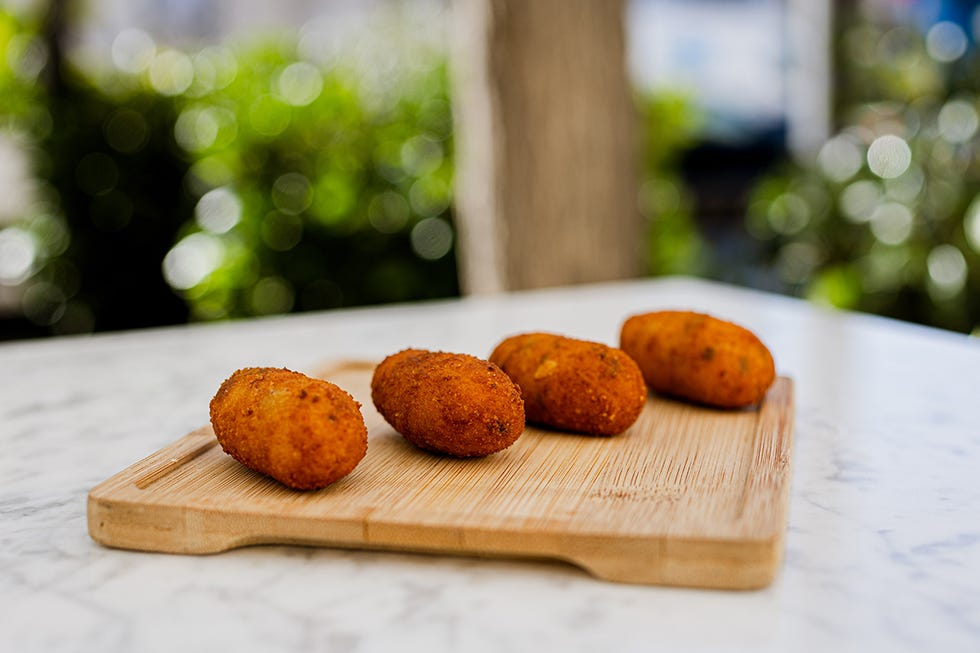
<point x="167" y="161"/>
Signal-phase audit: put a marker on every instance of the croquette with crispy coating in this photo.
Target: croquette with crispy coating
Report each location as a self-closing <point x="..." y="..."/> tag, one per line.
<point x="573" y="385"/>
<point x="306" y="433"/>
<point x="448" y="403"/>
<point x="698" y="357"/>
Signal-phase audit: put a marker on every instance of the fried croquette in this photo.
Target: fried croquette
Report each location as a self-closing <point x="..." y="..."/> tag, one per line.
<point x="699" y="358"/>
<point x="306" y="433"/>
<point x="454" y="404"/>
<point x="573" y="385"/>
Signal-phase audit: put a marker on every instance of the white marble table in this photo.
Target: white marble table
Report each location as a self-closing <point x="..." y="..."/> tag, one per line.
<point x="882" y="552"/>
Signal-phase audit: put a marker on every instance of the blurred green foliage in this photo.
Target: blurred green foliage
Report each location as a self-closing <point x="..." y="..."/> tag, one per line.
<point x="315" y="192"/>
<point x="102" y="210"/>
<point x="256" y="179"/>
<point x="229" y="182"/>
<point x="670" y="126"/>
<point x="886" y="219"/>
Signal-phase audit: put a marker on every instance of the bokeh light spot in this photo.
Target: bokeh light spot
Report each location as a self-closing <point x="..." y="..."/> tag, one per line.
<point x="421" y="155"/>
<point x="292" y="193"/>
<point x="907" y="187"/>
<point x="192" y="260"/>
<point x="299" y="84"/>
<point x="133" y="50"/>
<point x="432" y="238"/>
<point x="947" y="271"/>
<point x="209" y="172"/>
<point x="51" y="234"/>
<point x="388" y="212"/>
<point x="946" y="41"/>
<point x="957" y="121"/>
<point x="171" y="72"/>
<point x="195" y="130"/>
<point x="891" y="223"/>
<point x="215" y="67"/>
<point x="429" y="196"/>
<point x="218" y="210"/>
<point x="840" y="158"/>
<point x="858" y="200"/>
<point x="271" y="295"/>
<point x="318" y="40"/>
<point x="897" y="43"/>
<point x="788" y="214"/>
<point x="18" y="254"/>
<point x="281" y="231"/>
<point x="889" y="156"/>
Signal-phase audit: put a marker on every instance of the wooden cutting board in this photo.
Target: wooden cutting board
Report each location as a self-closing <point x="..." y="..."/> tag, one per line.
<point x="687" y="496"/>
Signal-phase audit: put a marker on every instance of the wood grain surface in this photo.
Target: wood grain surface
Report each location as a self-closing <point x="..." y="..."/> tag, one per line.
<point x="688" y="496"/>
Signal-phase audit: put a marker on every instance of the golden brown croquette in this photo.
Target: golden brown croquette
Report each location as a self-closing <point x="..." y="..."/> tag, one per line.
<point x="699" y="357"/>
<point x="306" y="433"/>
<point x="573" y="385"/>
<point x="448" y="403"/>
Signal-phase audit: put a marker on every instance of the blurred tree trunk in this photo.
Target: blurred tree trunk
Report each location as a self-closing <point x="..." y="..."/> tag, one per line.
<point x="547" y="162"/>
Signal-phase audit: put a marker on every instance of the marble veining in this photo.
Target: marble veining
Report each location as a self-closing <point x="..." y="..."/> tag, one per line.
<point x="882" y="548"/>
